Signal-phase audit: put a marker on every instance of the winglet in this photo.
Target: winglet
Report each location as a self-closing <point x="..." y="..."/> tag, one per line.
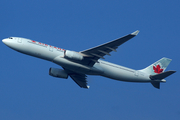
<point x="135" y="33"/>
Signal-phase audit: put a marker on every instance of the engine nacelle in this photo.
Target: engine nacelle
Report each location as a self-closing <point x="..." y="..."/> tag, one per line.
<point x="55" y="72"/>
<point x="73" y="55"/>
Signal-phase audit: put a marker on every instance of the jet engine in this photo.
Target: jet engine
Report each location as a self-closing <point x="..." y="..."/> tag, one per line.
<point x="73" y="55"/>
<point x="55" y="72"/>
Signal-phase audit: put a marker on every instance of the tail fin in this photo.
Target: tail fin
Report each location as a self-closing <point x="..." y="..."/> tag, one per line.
<point x="157" y="67"/>
<point x="156" y="71"/>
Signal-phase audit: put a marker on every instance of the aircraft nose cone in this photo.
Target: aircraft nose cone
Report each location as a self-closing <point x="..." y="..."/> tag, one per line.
<point x="11" y="43"/>
<point x="4" y="41"/>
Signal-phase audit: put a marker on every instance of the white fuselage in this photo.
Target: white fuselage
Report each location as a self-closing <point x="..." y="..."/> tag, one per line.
<point x="56" y="55"/>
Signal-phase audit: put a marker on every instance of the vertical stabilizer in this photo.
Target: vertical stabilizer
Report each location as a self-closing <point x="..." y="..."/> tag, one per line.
<point x="156" y="71"/>
<point x="157" y="67"/>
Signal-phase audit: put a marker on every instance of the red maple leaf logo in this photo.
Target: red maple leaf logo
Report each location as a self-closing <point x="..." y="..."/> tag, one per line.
<point x="157" y="69"/>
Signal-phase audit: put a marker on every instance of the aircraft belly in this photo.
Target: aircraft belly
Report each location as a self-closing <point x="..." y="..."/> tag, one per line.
<point x="77" y="67"/>
<point x="122" y="73"/>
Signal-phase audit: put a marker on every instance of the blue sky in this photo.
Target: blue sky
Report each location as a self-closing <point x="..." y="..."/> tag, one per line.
<point x="27" y="92"/>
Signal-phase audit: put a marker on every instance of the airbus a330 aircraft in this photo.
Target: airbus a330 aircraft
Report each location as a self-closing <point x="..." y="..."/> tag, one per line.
<point x="79" y="64"/>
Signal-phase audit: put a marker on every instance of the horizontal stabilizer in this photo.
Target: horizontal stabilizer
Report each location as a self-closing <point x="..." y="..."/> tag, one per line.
<point x="156" y="84"/>
<point x="161" y="75"/>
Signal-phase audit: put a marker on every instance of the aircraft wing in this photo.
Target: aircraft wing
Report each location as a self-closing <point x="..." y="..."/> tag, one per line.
<point x="105" y="49"/>
<point x="78" y="78"/>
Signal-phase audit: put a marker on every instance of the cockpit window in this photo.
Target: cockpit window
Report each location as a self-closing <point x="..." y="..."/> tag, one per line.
<point x="10" y="38"/>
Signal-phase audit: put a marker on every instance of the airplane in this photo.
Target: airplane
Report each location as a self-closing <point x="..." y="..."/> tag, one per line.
<point x="78" y="65"/>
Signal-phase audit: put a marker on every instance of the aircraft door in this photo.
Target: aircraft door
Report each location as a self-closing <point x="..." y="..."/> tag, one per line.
<point x="51" y="48"/>
<point x="19" y="40"/>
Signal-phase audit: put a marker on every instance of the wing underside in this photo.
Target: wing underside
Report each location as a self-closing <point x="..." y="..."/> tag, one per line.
<point x="78" y="78"/>
<point x="100" y="51"/>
